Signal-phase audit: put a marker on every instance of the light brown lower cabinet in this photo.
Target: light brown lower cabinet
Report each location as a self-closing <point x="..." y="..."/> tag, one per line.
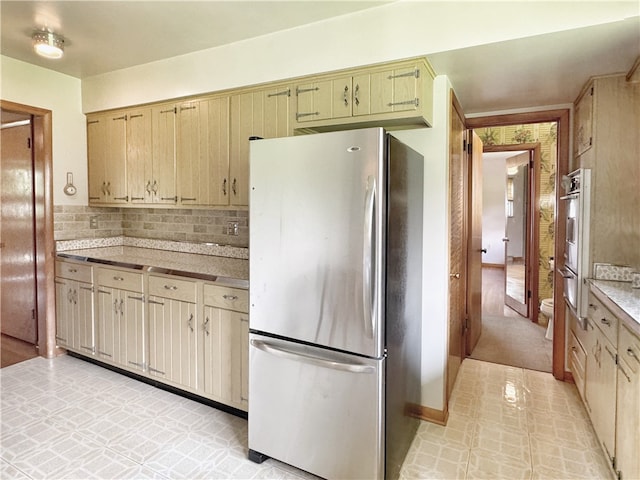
<point x="612" y="388"/>
<point x="628" y="401"/>
<point x="183" y="332"/>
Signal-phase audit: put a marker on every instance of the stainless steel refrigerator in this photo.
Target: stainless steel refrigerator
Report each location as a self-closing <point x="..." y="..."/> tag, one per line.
<point x="335" y="302"/>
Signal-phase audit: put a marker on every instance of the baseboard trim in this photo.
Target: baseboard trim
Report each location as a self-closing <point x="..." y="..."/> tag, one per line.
<point x="493" y="265"/>
<point x="428" y="414"/>
<point x="568" y="377"/>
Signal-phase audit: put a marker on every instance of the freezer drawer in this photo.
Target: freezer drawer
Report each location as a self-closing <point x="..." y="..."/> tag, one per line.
<point x="299" y="412"/>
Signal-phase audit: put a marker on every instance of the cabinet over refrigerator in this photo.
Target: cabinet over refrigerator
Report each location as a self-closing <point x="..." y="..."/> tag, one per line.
<point x="335" y="301"/>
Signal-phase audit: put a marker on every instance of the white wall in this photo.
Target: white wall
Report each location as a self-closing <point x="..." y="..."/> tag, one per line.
<point x="39" y="87"/>
<point x="433" y="144"/>
<point x="493" y="213"/>
<point x="399" y="30"/>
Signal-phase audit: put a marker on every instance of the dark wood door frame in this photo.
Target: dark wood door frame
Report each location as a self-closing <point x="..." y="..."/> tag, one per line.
<point x="44" y="241"/>
<point x="561" y="116"/>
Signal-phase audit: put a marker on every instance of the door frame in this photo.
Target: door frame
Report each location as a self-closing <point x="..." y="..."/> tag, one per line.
<point x="562" y="117"/>
<point x="44" y="240"/>
<point x="533" y="226"/>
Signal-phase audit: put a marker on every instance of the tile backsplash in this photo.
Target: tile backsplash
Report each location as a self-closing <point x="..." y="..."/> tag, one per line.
<point x="185" y="225"/>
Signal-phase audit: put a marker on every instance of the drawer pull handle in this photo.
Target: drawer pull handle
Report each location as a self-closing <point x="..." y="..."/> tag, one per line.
<point x="72" y="270"/>
<point x="594" y="307"/>
<point x="230" y="297"/>
<point x="632" y="354"/>
<point x="170" y="287"/>
<point x="118" y="279"/>
<point x="606" y="322"/>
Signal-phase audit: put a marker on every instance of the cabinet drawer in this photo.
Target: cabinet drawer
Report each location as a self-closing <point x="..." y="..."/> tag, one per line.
<point x="606" y="321"/>
<point x="74" y="271"/>
<point x="227" y="298"/>
<point x="175" y="288"/>
<point x="577" y="361"/>
<point x="121" y="279"/>
<point x="629" y="348"/>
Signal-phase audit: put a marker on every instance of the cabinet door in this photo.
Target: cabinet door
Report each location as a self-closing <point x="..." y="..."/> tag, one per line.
<point x="96" y="155"/>
<point x="277" y="112"/>
<point x="162" y="182"/>
<point x="628" y="422"/>
<point x="132" y="344"/>
<point x="84" y="337"/>
<point x="172" y="341"/>
<point x="203" y="153"/>
<point x="247" y="120"/>
<point x="107" y="324"/>
<point x="139" y="155"/>
<point x="116" y="159"/>
<point x="226" y="336"/>
<point x="394" y="90"/>
<point x="188" y="154"/>
<point x="64" y="332"/>
<point x="600" y="391"/>
<point x="324" y="100"/>
<point x="583" y="114"/>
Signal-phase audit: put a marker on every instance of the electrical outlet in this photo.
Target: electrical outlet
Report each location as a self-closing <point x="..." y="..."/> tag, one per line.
<point x="232" y="228"/>
<point x="93" y="222"/>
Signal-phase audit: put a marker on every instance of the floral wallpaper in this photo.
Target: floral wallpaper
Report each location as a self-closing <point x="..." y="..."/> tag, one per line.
<point x="546" y="134"/>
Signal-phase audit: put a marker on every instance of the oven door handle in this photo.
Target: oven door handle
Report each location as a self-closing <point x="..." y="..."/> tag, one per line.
<point x="566" y="273"/>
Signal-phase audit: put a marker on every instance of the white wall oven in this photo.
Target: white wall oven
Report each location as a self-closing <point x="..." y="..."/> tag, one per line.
<point x="577" y="187"/>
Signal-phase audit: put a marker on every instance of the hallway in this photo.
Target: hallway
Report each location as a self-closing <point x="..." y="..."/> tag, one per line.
<point x="508" y="338"/>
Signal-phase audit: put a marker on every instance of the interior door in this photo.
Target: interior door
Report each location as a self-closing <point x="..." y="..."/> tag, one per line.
<point x="518" y="233"/>
<point x="474" y="275"/>
<point x="18" y="243"/>
<point x="457" y="247"/>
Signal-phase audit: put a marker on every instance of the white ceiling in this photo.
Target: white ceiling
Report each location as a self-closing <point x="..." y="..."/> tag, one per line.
<point x="541" y="70"/>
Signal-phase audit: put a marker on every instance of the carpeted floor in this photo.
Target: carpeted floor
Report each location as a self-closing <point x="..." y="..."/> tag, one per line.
<point x="514" y="341"/>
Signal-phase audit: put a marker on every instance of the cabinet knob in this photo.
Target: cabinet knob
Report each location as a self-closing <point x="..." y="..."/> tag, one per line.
<point x="606" y="322"/>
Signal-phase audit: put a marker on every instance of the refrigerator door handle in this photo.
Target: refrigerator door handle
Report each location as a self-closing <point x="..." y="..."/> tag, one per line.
<point x="368" y="263"/>
<point x="281" y="352"/>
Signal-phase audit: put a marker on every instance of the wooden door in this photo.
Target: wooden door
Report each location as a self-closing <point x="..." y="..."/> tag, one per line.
<point x="172" y="340"/>
<point x="213" y="173"/>
<point x="132" y="330"/>
<point x="84" y="337"/>
<point x="247" y="120"/>
<point x="116" y="159"/>
<point x="139" y="156"/>
<point x="457" y="247"/>
<point x="96" y="155"/>
<point x="64" y="333"/>
<point x="163" y="180"/>
<point x="474" y="253"/>
<point x="18" y="311"/>
<point x="189" y="156"/>
<point x="107" y="324"/>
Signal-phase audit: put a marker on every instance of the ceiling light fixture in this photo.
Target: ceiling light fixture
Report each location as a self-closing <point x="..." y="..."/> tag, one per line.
<point x="48" y="44"/>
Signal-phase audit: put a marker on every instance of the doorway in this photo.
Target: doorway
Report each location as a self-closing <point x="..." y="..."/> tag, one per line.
<point x="27" y="244"/>
<point x="550" y="129"/>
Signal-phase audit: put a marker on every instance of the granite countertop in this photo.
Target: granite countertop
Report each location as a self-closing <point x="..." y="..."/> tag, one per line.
<point x="224" y="270"/>
<point x="624" y="297"/>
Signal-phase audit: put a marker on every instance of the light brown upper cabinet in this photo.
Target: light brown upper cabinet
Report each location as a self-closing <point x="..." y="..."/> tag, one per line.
<point x="107" y="156"/>
<point x="583" y="121"/>
<point x="203" y="152"/>
<point x="195" y="152"/>
<point x="261" y="113"/>
<point x="392" y="95"/>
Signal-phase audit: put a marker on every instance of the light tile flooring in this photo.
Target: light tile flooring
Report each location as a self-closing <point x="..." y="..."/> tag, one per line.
<point x="68" y="419"/>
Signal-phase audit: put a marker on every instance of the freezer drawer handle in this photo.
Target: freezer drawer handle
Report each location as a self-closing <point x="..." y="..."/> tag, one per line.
<point x="305" y="358"/>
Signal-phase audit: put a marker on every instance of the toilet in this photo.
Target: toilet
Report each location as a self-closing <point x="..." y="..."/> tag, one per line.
<point x="546" y="308"/>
